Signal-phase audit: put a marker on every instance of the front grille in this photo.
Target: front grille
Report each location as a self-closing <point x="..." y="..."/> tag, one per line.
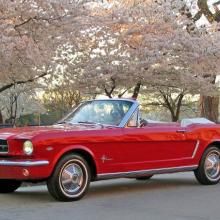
<point x="3" y="146"/>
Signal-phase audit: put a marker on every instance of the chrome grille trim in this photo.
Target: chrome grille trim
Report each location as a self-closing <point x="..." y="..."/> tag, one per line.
<point x="4" y="148"/>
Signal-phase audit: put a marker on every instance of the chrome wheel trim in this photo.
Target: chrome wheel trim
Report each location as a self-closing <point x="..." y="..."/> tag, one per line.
<point x="73" y="178"/>
<point x="212" y="165"/>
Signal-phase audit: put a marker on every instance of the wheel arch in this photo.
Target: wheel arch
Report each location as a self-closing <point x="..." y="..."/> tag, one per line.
<point x="82" y="151"/>
<point x="215" y="143"/>
<point x="200" y="173"/>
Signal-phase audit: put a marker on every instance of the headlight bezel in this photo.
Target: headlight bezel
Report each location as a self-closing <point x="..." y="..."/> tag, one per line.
<point x="28" y="147"/>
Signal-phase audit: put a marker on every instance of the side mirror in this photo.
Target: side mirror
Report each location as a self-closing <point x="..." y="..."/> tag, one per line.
<point x="143" y="123"/>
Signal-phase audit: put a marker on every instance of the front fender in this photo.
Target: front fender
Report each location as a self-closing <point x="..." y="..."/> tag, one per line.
<point x="69" y="149"/>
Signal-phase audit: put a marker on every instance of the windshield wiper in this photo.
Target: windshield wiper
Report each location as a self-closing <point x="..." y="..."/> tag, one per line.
<point x="64" y="122"/>
<point x="60" y="123"/>
<point x="90" y="122"/>
<point x="87" y="122"/>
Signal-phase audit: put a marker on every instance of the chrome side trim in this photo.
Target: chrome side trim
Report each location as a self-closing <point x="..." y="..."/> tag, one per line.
<point x="146" y="172"/>
<point x="25" y="163"/>
<point x="196" y="149"/>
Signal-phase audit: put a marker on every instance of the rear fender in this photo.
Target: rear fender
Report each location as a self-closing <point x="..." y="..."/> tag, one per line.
<point x="204" y="145"/>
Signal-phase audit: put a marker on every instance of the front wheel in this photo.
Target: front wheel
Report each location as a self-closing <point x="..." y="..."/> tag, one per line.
<point x="208" y="172"/>
<point x="9" y="186"/>
<point x="70" y="179"/>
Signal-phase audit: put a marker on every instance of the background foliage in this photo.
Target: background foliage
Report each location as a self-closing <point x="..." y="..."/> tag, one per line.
<point x="54" y="54"/>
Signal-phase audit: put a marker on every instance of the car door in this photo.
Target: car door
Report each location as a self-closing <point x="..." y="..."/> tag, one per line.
<point x="156" y="146"/>
<point x="135" y="148"/>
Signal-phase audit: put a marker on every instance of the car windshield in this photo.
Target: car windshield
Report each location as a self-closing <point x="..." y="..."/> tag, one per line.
<point x="108" y="112"/>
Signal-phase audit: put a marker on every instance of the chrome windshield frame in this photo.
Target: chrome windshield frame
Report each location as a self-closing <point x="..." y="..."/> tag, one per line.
<point x="124" y="120"/>
<point x="129" y="114"/>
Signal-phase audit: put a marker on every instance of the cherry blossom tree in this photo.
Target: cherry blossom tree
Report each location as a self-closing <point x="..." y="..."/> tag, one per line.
<point x="31" y="31"/>
<point x="111" y="47"/>
<point x="19" y="100"/>
<point x="61" y="98"/>
<point x="148" y="45"/>
<point x="206" y="15"/>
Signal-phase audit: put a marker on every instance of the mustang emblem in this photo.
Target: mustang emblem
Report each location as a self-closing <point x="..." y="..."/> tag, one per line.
<point x="105" y="158"/>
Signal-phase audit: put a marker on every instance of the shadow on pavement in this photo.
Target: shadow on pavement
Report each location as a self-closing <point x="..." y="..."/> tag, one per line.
<point x="39" y="194"/>
<point x="104" y="188"/>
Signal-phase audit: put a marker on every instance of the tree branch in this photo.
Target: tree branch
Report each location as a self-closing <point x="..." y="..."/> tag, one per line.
<point x="122" y="93"/>
<point x="3" y="88"/>
<point x="204" y="9"/>
<point x="23" y="23"/>
<point x="109" y="93"/>
<point x="136" y="90"/>
<point x="168" y="105"/>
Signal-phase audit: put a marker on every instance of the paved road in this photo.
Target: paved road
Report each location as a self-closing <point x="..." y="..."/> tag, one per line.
<point x="165" y="197"/>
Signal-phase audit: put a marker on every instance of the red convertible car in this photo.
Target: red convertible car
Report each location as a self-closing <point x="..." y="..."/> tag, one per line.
<point x="104" y="139"/>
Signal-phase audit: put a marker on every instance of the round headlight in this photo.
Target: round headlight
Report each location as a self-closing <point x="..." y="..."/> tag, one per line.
<point x="28" y="147"/>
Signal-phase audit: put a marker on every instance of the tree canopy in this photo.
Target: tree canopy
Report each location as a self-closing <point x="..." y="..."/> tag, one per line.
<point x="112" y="47"/>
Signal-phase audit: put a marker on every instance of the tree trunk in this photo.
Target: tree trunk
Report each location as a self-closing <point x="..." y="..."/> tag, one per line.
<point x="209" y="107"/>
<point x="136" y="90"/>
<point x="174" y="114"/>
<point x="173" y="105"/>
<point x="174" y="118"/>
<point x="178" y="107"/>
<point x="1" y="118"/>
<point x="112" y="89"/>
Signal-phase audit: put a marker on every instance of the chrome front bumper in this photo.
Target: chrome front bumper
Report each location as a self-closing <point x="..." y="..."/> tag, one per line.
<point x="24" y="163"/>
<point x="25" y="169"/>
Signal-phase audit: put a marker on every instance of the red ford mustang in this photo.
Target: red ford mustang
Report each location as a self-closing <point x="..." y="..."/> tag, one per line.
<point x="104" y="139"/>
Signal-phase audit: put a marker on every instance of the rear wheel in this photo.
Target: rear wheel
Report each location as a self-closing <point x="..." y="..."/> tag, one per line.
<point x="70" y="179"/>
<point x="9" y="186"/>
<point x="208" y="172"/>
<point x="144" y="177"/>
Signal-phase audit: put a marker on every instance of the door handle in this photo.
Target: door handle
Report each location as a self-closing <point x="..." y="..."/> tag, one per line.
<point x="181" y="131"/>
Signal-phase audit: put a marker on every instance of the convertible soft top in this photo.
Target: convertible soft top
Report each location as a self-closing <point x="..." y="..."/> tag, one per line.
<point x="188" y="121"/>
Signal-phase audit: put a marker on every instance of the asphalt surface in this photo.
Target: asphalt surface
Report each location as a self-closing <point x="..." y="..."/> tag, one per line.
<point x="164" y="197"/>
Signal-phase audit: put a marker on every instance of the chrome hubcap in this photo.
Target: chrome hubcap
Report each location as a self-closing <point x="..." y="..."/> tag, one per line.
<point x="72" y="178"/>
<point x="212" y="165"/>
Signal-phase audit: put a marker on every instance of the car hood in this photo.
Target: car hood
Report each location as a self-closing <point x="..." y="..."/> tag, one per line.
<point x="30" y="132"/>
